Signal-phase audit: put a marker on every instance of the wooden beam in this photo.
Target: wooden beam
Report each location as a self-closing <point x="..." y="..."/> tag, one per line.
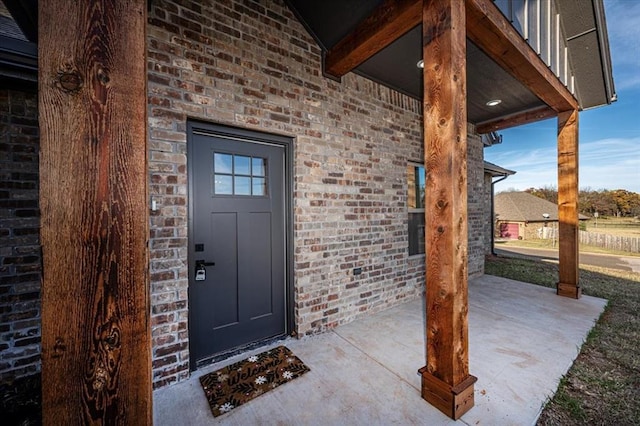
<point x="518" y="119"/>
<point x="488" y="29"/>
<point x="446" y="382"/>
<point x="568" y="204"/>
<point x="391" y="20"/>
<point x="96" y="358"/>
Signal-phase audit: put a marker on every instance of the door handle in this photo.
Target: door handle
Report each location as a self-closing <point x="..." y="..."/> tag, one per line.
<point x="201" y="262"/>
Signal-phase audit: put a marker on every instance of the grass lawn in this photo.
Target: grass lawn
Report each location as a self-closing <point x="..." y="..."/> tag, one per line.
<point x="627" y="227"/>
<point x="548" y="244"/>
<point x="603" y="385"/>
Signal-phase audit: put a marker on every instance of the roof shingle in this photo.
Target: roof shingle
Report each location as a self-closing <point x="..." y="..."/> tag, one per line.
<point x="524" y="207"/>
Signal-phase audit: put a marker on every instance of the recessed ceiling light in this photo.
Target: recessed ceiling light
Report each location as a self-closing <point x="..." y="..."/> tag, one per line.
<point x="494" y="102"/>
<point x="420" y="64"/>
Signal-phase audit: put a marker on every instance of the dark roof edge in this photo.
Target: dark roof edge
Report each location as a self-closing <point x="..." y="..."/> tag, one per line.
<point x="605" y="53"/>
<point x="18" y="62"/>
<point x="496" y="170"/>
<point x="305" y="25"/>
<point x="25" y="13"/>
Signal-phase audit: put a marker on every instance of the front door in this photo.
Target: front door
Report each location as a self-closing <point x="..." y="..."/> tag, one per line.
<point x="237" y="257"/>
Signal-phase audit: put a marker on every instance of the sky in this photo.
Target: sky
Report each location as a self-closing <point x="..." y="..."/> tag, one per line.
<point x="609" y="144"/>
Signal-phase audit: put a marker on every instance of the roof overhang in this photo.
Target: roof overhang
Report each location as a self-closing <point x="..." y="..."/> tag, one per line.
<point x="496" y="171"/>
<point x="585" y="29"/>
<point x="18" y="48"/>
<point x="382" y="40"/>
<point x="25" y="14"/>
<point x="499" y="71"/>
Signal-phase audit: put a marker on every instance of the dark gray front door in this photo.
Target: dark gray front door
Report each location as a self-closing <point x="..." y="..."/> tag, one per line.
<point x="237" y="254"/>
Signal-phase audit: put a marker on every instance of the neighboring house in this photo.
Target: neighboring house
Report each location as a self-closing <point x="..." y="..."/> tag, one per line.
<point x="492" y="175"/>
<point x="283" y="145"/>
<point x="522" y="216"/>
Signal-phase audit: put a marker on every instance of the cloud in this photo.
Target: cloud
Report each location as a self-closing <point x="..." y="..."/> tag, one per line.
<point x="612" y="163"/>
<point x="534" y="168"/>
<point x="626" y="79"/>
<point x="623" y="17"/>
<point x="610" y="137"/>
<point x="622" y="25"/>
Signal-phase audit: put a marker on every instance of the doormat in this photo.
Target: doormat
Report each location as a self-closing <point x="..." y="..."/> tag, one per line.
<point x="239" y="383"/>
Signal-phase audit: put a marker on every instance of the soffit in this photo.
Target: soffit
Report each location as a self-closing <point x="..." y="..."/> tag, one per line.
<point x="328" y="21"/>
<point x="585" y="29"/>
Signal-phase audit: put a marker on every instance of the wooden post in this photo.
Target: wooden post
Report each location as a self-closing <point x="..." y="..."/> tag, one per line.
<point x="96" y="360"/>
<point x="568" y="284"/>
<point x="446" y="382"/>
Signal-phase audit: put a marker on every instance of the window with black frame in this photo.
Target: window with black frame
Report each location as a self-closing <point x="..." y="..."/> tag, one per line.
<point x="415" y="202"/>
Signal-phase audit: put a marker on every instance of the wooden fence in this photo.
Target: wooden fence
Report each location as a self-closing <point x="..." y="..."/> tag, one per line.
<point x="611" y="242"/>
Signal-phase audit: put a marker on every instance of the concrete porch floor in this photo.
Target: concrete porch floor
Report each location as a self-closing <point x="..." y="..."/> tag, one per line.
<point x="522" y="339"/>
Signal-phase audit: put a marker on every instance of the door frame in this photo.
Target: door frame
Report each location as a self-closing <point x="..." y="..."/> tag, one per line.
<point x="251" y="136"/>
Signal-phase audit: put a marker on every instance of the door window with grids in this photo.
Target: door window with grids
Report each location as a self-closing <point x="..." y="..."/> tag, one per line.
<point x="239" y="175"/>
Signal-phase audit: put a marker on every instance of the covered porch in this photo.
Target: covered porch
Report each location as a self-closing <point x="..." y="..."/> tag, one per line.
<point x="119" y="86"/>
<point x="525" y="339"/>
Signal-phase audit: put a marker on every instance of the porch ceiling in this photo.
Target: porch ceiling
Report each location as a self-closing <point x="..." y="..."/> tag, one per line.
<point x="395" y="66"/>
<point x="329" y="21"/>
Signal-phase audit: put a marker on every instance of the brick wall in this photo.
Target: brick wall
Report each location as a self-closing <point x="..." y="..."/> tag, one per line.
<point x="252" y="65"/>
<point x="488" y="213"/>
<point x="19" y="236"/>
<point x="529" y="230"/>
<point x="476" y="199"/>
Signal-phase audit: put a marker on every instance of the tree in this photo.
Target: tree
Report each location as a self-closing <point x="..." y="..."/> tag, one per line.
<point x="606" y="202"/>
<point x="627" y="202"/>
<point x="549" y="193"/>
<point x="590" y="202"/>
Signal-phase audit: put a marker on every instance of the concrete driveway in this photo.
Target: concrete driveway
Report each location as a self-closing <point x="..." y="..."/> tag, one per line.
<point x="621" y="263"/>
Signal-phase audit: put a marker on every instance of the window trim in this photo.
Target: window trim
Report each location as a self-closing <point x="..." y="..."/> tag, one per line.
<point x="414" y="210"/>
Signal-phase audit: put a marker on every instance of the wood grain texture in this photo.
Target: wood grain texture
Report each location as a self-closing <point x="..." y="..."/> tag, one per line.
<point x="514" y="120"/>
<point x="445" y="133"/>
<point x="568" y="204"/>
<point x="391" y="20"/>
<point x="488" y="29"/>
<point x="96" y="366"/>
